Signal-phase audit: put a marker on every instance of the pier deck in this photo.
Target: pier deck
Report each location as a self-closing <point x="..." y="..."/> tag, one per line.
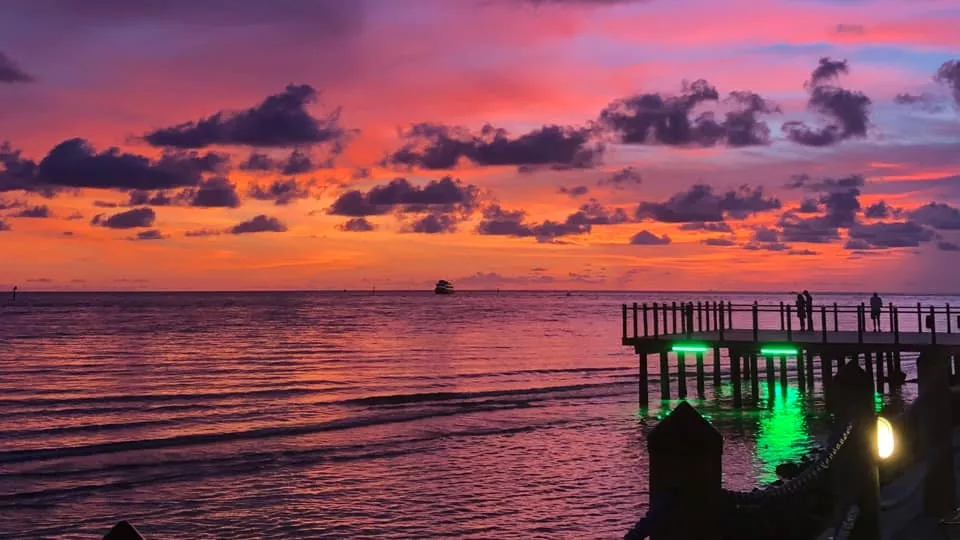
<point x="813" y="341"/>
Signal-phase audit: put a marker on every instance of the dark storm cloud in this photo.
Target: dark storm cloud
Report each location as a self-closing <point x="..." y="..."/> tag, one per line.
<point x="139" y="197"/>
<point x="152" y="234"/>
<point x="711" y="226"/>
<point x="809" y="206"/>
<point x="839" y="197"/>
<point x="814" y="230"/>
<point x="327" y="17"/>
<point x="923" y="101"/>
<point x="885" y="235"/>
<point x="279" y="120"/>
<point x="847" y="112"/>
<point x="10" y="71"/>
<point x="41" y="211"/>
<point x="622" y="178"/>
<point x="828" y="69"/>
<point x="575" y="191"/>
<point x="594" y="213"/>
<point x="949" y="75"/>
<point x="881" y="210"/>
<point x="298" y="162"/>
<point x="445" y="195"/>
<point x="434" y="224"/>
<point x="356" y="225"/>
<point x="647" y="238"/>
<point x="720" y="242"/>
<point x="138" y="217"/>
<point x="436" y="146"/>
<point x="19" y="173"/>
<point x="281" y="192"/>
<point x="943" y="245"/>
<point x="499" y="222"/>
<point x="212" y="193"/>
<point x="201" y="233"/>
<point x="766" y="246"/>
<point x="260" y="223"/>
<point x="653" y="118"/>
<point x="766" y="234"/>
<point x="700" y="203"/>
<point x="75" y="163"/>
<point x="936" y="215"/>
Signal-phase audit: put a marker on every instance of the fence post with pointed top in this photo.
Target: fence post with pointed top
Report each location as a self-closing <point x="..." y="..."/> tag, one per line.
<point x="685" y="475"/>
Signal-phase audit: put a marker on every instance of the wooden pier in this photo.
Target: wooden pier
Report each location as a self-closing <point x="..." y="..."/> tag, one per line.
<point x="743" y="339"/>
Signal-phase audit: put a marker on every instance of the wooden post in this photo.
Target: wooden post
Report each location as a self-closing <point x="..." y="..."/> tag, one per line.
<point x="681" y="376"/>
<point x="836" y="319"/>
<point x="685" y="475"/>
<point x="933" y="326"/>
<point x="735" y="379"/>
<point x="933" y="374"/>
<point x="823" y="322"/>
<point x="783" y="373"/>
<point x="826" y="377"/>
<point x="860" y="323"/>
<point x="666" y="328"/>
<point x="880" y="376"/>
<point x="636" y="320"/>
<point x="717" y="380"/>
<point x="716" y="319"/>
<point x="891" y="372"/>
<point x="700" y="317"/>
<point x="919" y="318"/>
<point x="721" y="326"/>
<point x="801" y="375"/>
<point x="656" y="321"/>
<point x="664" y="375"/>
<point x="643" y="390"/>
<point x="700" y="375"/>
<point x="624" y="321"/>
<point x="956" y="369"/>
<point x="673" y="311"/>
<point x="789" y="323"/>
<point x="123" y="531"/>
<point x="756" y="323"/>
<point x="892" y="317"/>
<point x="730" y="315"/>
<point x="782" y="322"/>
<point x="645" y="332"/>
<point x="949" y="323"/>
<point x="811" y="372"/>
<point x="858" y="480"/>
<point x="771" y="379"/>
<point x="868" y="363"/>
<point x="754" y="378"/>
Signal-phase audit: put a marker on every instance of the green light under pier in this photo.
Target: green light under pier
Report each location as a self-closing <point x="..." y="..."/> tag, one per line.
<point x="778" y="351"/>
<point x="689" y="347"/>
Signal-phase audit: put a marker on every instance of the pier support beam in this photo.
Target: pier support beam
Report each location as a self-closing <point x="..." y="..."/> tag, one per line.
<point x="735" y="379"/>
<point x="717" y="379"/>
<point x="700" y="375"/>
<point x="771" y="381"/>
<point x="664" y="376"/>
<point x="681" y="376"/>
<point x="754" y="379"/>
<point x="644" y="386"/>
<point x="933" y="373"/>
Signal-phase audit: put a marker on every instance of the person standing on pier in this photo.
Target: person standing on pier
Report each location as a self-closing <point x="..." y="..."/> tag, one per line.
<point x="876" y="306"/>
<point x="809" y="308"/>
<point x="802" y="311"/>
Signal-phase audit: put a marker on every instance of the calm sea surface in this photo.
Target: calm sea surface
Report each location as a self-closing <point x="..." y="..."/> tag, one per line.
<point x="319" y="415"/>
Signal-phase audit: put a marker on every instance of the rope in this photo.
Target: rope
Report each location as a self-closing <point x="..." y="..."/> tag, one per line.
<point x="804" y="479"/>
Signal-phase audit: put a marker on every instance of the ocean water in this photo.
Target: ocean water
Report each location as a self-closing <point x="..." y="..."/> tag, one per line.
<point x="347" y="415"/>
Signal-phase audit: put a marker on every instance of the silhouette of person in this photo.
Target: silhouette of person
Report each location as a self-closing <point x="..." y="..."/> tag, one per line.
<point x="809" y="308"/>
<point x="802" y="311"/>
<point x="876" y="306"/>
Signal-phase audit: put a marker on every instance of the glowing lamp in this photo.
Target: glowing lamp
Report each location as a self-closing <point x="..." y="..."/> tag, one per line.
<point x="778" y="351"/>
<point x="885" y="438"/>
<point x="689" y="347"/>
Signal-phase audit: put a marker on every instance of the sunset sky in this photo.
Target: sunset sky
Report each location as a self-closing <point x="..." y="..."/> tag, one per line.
<point x="513" y="144"/>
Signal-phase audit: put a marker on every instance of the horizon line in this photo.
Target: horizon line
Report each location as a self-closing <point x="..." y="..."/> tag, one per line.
<point x="372" y="290"/>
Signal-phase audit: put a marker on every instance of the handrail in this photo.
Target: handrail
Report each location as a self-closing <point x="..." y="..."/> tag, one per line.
<point x="687" y="318"/>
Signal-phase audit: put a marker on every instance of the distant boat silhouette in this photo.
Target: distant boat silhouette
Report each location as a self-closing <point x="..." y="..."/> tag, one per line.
<point x="443" y="287"/>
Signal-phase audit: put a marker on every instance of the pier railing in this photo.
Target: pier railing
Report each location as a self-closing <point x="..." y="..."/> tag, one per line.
<point x="838" y="495"/>
<point x="674" y="319"/>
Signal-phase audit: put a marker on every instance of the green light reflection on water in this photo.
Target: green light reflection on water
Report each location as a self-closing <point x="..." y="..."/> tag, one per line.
<point x="782" y="434"/>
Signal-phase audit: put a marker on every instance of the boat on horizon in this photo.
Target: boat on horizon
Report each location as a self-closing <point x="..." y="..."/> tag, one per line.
<point x="443" y="287"/>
